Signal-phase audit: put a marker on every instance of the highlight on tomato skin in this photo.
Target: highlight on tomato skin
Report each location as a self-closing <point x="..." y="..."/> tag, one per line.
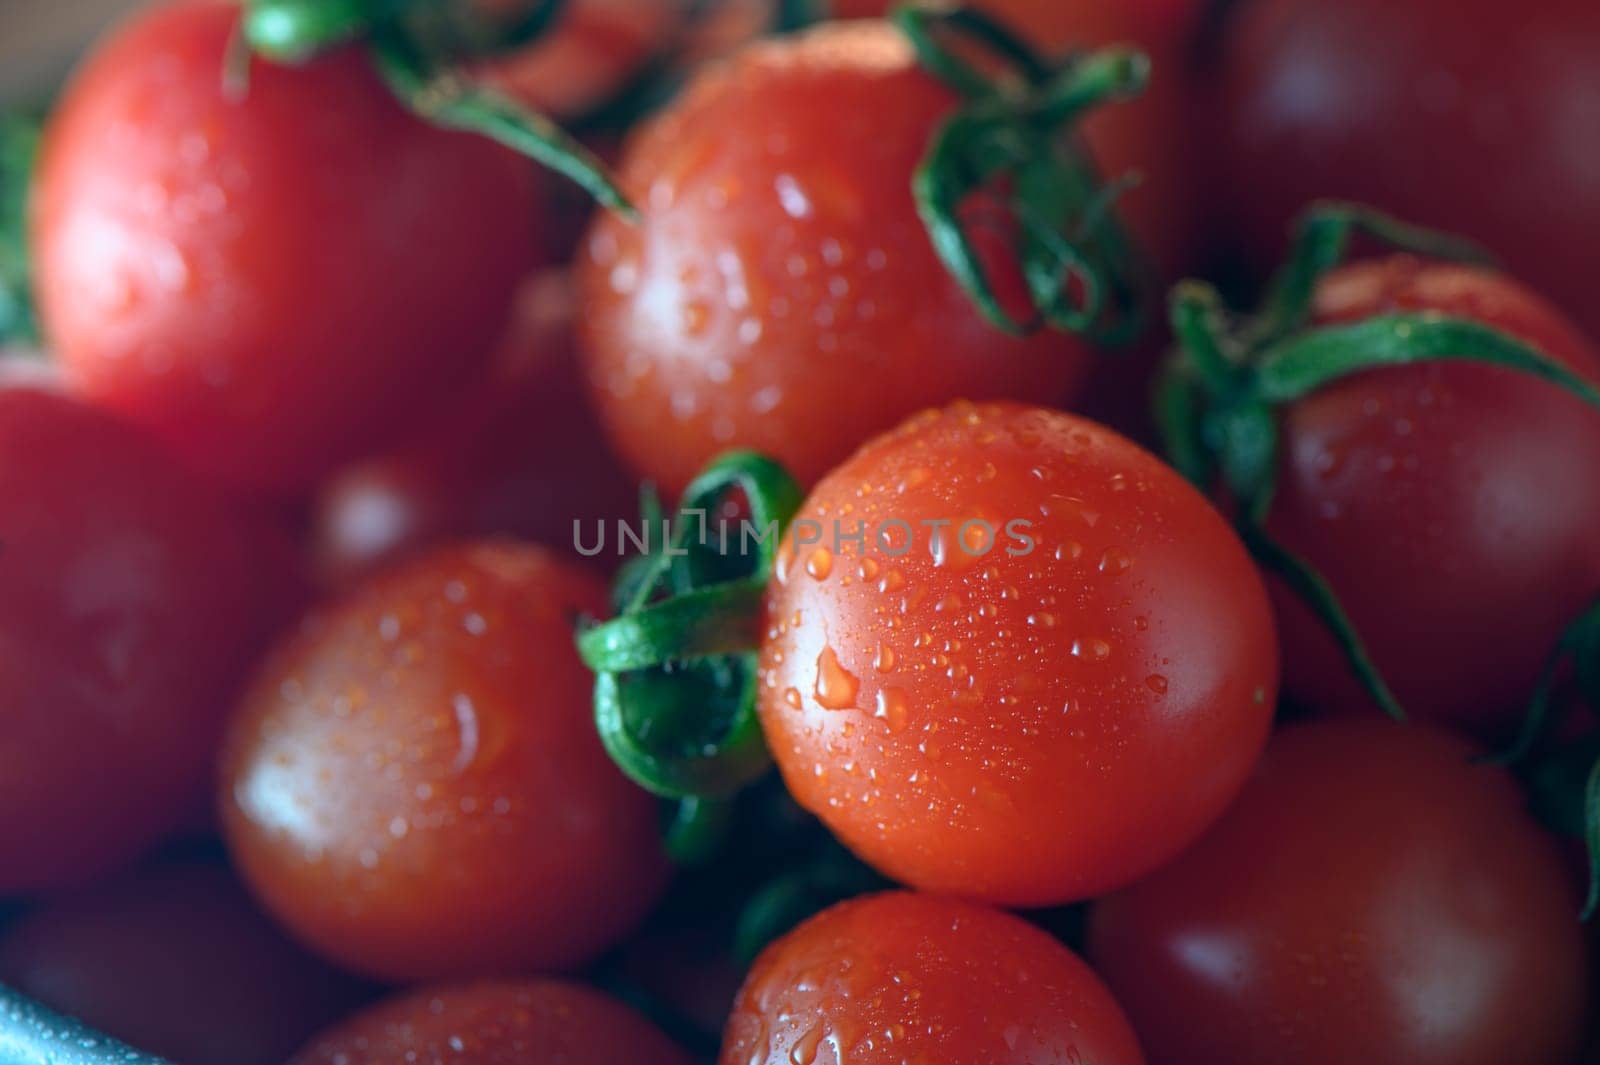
<point x="412" y="782"/>
<point x="779" y="291"/>
<point x="271" y="283"/>
<point x="897" y="977"/>
<point x="1374" y="894"/>
<point x="495" y="1023"/>
<point x="1022" y="723"/>
<point x="1451" y="507"/>
<point x="176" y="959"/>
<point x="132" y="596"/>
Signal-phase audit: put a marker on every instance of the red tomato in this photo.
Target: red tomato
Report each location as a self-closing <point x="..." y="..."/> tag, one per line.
<point x="414" y="784"/>
<point x="1452" y="507"/>
<point x="272" y="283"/>
<point x="897" y="977"/>
<point x="1472" y="116"/>
<point x="1025" y="723"/>
<point x="177" y="961"/>
<point x="1371" y="896"/>
<point x="496" y="1024"/>
<point x="780" y="291"/>
<point x="521" y="454"/>
<point x="131" y="601"/>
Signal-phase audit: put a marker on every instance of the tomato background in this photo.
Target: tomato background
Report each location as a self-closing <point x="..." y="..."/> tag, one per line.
<point x="1372" y="896"/>
<point x="230" y="272"/>
<point x="404" y="766"/>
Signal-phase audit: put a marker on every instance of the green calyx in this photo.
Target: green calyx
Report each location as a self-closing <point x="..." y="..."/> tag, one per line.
<point x="422" y="48"/>
<point x="1220" y="396"/>
<point x="19" y="147"/>
<point x="1014" y="142"/>
<point x="675" y="670"/>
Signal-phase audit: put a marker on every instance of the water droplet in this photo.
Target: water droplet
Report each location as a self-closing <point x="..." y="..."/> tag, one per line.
<point x="836" y="686"/>
<point x="1114" y="562"/>
<point x="792" y="697"/>
<point x="884" y="660"/>
<point x="820" y="564"/>
<point x="1156" y="683"/>
<point x="1093" y="650"/>
<point x="894" y="708"/>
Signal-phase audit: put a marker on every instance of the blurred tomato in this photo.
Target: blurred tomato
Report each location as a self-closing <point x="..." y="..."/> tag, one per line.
<point x="520" y="454"/>
<point x="132" y="600"/>
<point x="1467" y="115"/>
<point x="413" y="782"/>
<point x="273" y="281"/>
<point x="176" y="960"/>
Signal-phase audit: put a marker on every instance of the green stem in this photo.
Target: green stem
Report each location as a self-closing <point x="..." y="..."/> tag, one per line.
<point x="722" y="619"/>
<point x="19" y="148"/>
<point x="1591" y="839"/>
<point x="1579" y="643"/>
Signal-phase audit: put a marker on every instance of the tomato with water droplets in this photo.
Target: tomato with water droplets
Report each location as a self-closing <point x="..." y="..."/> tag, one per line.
<point x="1451" y="506"/>
<point x="898" y="977"/>
<point x="413" y="782"/>
<point x="780" y="291"/>
<point x="1042" y="697"/>
<point x="543" y="1021"/>
<point x="1373" y="895"/>
<point x="132" y="599"/>
<point x="272" y="280"/>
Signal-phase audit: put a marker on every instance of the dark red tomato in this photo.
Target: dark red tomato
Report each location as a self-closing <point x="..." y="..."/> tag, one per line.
<point x="1042" y="700"/>
<point x="273" y="281"/>
<point x="414" y="784"/>
<point x="896" y="978"/>
<point x="132" y="600"/>
<point x="176" y="960"/>
<point x="521" y="454"/>
<point x="546" y="1021"/>
<point x="780" y="291"/>
<point x="1452" y="507"/>
<point x="1373" y="895"/>
<point x="1472" y="116"/>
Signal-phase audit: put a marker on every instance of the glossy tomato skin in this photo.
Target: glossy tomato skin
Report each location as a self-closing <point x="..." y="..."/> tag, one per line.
<point x="1467" y="116"/>
<point x="1030" y="728"/>
<point x="132" y="601"/>
<point x="1373" y="895"/>
<point x="271" y="282"/>
<point x="519" y="454"/>
<point x="175" y="959"/>
<point x="1451" y="507"/>
<point x="545" y="1021"/>
<point x="780" y="292"/>
<point x="413" y="782"/>
<point x="898" y="977"/>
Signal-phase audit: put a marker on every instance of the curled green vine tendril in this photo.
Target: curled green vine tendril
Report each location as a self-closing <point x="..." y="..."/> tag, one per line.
<point x="1219" y="398"/>
<point x="420" y="48"/>
<point x="1014" y="139"/>
<point x="19" y="147"/>
<point x="675" y="670"/>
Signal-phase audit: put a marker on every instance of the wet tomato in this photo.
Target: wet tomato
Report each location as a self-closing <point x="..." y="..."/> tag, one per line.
<point x="1373" y="895"/>
<point x="780" y="291"/>
<point x="132" y="600"/>
<point x="519" y="454"/>
<point x="898" y="977"/>
<point x="496" y="1024"/>
<point x="176" y="960"/>
<point x="414" y="785"/>
<point x="230" y="269"/>
<point x="1451" y="506"/>
<point x="1043" y="697"/>
<point x="1465" y="115"/>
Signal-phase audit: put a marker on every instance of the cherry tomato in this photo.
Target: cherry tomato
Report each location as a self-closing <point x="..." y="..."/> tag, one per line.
<point x="520" y="454"/>
<point x="1465" y="115"/>
<point x="1373" y="895"/>
<point x="414" y="785"/>
<point x="1043" y="699"/>
<point x="496" y="1024"/>
<point x="898" y="977"/>
<point x="176" y="960"/>
<point x="1451" y="506"/>
<point x="132" y="599"/>
<point x="780" y="291"/>
<point x="272" y="281"/>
